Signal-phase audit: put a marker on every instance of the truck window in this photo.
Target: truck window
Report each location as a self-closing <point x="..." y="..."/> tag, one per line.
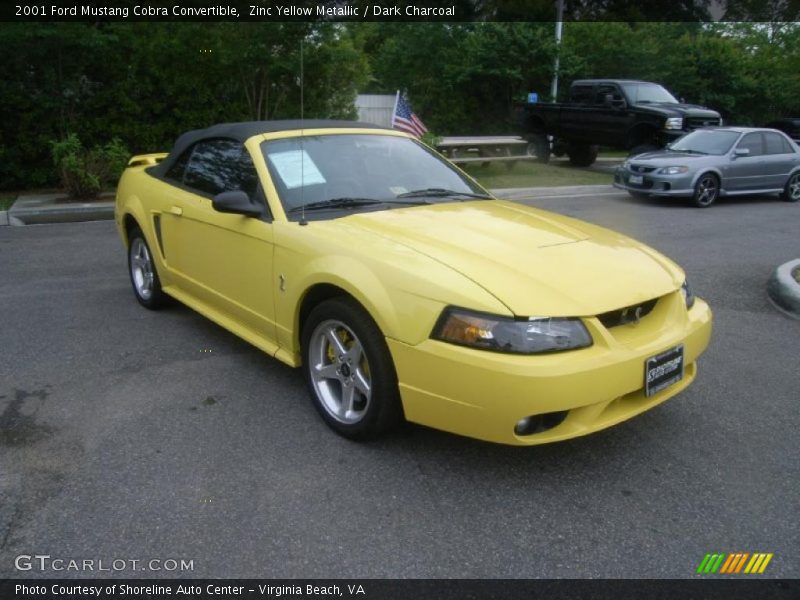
<point x="603" y="90"/>
<point x="581" y="94"/>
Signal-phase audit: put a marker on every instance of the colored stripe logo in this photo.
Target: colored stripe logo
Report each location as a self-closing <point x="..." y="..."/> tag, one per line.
<point x="735" y="563"/>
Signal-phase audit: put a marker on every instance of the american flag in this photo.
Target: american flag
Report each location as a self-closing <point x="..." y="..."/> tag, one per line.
<point x="404" y="118"/>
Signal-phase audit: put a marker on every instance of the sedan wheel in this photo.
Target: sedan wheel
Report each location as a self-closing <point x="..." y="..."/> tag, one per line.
<point x="792" y="191"/>
<point x="349" y="370"/>
<point x="706" y="191"/>
<point x="143" y="274"/>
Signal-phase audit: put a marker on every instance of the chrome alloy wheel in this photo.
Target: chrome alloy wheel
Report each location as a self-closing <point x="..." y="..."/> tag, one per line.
<point x="707" y="190"/>
<point x="340" y="371"/>
<point x="793" y="188"/>
<point x="141" y="268"/>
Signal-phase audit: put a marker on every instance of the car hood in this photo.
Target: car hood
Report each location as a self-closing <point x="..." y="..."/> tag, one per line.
<point x="672" y="109"/>
<point x="536" y="263"/>
<point x="662" y="158"/>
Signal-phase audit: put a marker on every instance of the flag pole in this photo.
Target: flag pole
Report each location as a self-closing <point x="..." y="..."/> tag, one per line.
<point x="394" y="110"/>
<point x="559" y="24"/>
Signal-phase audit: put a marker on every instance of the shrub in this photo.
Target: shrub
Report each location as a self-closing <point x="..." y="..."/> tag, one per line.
<point x="83" y="172"/>
<point x="431" y="139"/>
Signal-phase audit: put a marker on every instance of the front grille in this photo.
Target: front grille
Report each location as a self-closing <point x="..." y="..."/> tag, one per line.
<point x="697" y="122"/>
<point x="641" y="169"/>
<point x="646" y="184"/>
<point x="627" y="315"/>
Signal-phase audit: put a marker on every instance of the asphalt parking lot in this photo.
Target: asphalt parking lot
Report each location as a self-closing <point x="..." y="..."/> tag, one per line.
<point x="129" y="434"/>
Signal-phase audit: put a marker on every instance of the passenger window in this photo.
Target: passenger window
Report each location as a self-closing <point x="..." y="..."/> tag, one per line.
<point x="752" y="141"/>
<point x="776" y="144"/>
<point x="221" y="166"/>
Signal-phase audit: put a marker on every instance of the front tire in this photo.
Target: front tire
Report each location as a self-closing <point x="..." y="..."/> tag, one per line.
<point x="539" y="147"/>
<point x="706" y="190"/>
<point x="582" y="155"/>
<point x="791" y="193"/>
<point x="349" y="371"/>
<point x="142" y="271"/>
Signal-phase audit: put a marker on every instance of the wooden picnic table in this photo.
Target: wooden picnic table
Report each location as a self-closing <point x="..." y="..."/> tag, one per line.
<point x="484" y="149"/>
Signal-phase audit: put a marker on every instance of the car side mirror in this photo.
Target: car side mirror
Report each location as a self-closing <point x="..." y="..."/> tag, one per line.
<point x="237" y="203"/>
<point x="741" y="152"/>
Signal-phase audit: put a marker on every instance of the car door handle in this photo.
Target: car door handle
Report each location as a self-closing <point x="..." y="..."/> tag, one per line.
<point x="176" y="210"/>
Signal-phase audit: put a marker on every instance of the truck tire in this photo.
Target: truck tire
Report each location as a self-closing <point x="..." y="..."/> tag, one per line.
<point x="539" y="147"/>
<point x="582" y="155"/>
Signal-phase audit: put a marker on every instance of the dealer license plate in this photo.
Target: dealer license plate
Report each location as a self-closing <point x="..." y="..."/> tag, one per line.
<point x="662" y="370"/>
<point x="636" y="179"/>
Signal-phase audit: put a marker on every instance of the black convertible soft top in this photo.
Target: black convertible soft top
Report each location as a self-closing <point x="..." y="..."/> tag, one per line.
<point x="245" y="130"/>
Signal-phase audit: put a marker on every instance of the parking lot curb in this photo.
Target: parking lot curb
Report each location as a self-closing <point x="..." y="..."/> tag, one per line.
<point x="552" y="192"/>
<point x="784" y="290"/>
<point x="47" y="208"/>
<point x="44" y="208"/>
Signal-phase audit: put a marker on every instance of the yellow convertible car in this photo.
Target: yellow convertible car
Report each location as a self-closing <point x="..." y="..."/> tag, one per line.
<point x="402" y="288"/>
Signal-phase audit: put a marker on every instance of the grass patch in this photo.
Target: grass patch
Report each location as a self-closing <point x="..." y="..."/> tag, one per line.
<point x="533" y="174"/>
<point x="796" y="274"/>
<point x="6" y="201"/>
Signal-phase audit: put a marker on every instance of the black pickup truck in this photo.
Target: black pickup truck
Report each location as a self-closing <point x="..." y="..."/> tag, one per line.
<point x="638" y="116"/>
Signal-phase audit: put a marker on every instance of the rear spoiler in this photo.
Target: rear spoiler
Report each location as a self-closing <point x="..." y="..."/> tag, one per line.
<point x="146" y="160"/>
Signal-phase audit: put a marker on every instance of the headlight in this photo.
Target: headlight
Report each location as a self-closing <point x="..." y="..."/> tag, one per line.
<point x="674" y="123"/>
<point x="533" y="335"/>
<point x="673" y="170"/>
<point x="688" y="295"/>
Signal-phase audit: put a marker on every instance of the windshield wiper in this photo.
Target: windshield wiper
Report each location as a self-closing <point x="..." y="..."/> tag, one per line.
<point x="346" y="202"/>
<point x="690" y="151"/>
<point x="442" y="192"/>
<point x="343" y="202"/>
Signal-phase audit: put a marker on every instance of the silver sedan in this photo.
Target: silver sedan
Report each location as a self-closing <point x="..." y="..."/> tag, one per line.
<point x="720" y="161"/>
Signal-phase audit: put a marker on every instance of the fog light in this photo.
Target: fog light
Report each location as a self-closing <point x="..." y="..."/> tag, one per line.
<point x="539" y="423"/>
<point x="523" y="426"/>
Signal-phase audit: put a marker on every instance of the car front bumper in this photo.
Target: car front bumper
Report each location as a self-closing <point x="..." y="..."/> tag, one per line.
<point x="654" y="184"/>
<point x="484" y="394"/>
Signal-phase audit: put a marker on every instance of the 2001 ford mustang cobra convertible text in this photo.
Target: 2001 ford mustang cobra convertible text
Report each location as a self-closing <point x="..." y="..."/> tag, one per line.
<point x="402" y="288"/>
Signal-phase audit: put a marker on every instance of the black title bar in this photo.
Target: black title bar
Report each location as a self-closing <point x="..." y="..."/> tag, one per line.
<point x="382" y="10"/>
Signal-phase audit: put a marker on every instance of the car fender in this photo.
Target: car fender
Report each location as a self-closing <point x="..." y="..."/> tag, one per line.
<point x="400" y="314"/>
<point x="709" y="169"/>
<point x="353" y="277"/>
<point x="129" y="204"/>
<point x="792" y="173"/>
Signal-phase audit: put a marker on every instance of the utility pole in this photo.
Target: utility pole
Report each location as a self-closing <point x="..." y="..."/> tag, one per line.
<point x="559" y="24"/>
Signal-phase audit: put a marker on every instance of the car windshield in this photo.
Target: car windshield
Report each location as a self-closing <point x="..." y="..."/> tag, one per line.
<point x="708" y="141"/>
<point x="347" y="172"/>
<point x="639" y="93"/>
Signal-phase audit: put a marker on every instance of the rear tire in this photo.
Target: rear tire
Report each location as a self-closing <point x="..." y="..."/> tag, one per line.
<point x="142" y="271"/>
<point x="791" y="193"/>
<point x="349" y="370"/>
<point x="582" y="155"/>
<point x="706" y="190"/>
